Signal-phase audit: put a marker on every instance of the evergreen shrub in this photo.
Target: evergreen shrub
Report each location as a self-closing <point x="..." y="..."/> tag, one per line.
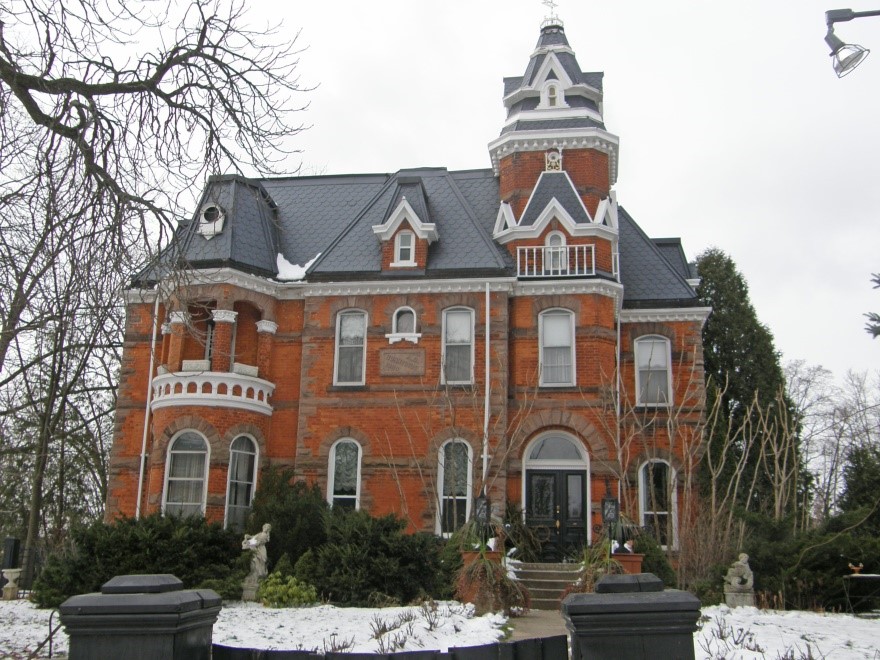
<point x="201" y="554"/>
<point x="278" y="590"/>
<point x="295" y="510"/>
<point x="369" y="560"/>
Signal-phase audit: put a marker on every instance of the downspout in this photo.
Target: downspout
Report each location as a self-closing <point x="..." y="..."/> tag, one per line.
<point x="140" y="491"/>
<point x="617" y="369"/>
<point x="488" y="391"/>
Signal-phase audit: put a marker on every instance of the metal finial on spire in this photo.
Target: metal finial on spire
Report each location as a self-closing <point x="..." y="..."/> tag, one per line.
<point x="552" y="19"/>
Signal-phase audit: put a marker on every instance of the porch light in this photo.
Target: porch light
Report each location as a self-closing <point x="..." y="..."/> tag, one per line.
<point x="846" y="57"/>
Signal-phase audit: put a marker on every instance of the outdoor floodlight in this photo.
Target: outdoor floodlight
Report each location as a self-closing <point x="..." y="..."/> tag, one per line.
<point x="846" y="57"/>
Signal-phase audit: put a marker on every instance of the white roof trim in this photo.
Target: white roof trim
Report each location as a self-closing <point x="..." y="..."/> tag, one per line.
<point x="505" y="219"/>
<point x="552" y="63"/>
<point x="667" y="315"/>
<point x="404" y="211"/>
<point x="561" y="112"/>
<point x="558" y="138"/>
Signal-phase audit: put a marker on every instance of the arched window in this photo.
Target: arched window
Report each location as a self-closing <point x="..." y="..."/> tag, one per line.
<point x="344" y="474"/>
<point x="555" y="254"/>
<point x="556" y="335"/>
<point x="551" y="96"/>
<point x="403" y="326"/>
<point x="351" y="343"/>
<point x="653" y="371"/>
<point x="405" y="249"/>
<point x="404" y="321"/>
<point x="657" y="497"/>
<point x="185" y="475"/>
<point x="458" y="346"/>
<point x="240" y="485"/>
<point x="454" y="474"/>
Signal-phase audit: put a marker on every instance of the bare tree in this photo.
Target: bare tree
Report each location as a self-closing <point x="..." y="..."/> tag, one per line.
<point x="109" y="112"/>
<point x="131" y="127"/>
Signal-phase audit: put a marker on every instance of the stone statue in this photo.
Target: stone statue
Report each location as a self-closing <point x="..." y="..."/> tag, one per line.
<point x="256" y="544"/>
<point x="739" y="583"/>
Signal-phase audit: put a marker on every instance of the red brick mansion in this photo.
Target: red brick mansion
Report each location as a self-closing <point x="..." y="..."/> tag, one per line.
<point x="408" y="340"/>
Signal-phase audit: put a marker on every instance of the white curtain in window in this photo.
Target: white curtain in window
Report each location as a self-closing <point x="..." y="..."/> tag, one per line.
<point x="652" y="361"/>
<point x="457" y="354"/>
<point x="350" y="351"/>
<point x="240" y="490"/>
<point x="556" y="355"/>
<point x="186" y="476"/>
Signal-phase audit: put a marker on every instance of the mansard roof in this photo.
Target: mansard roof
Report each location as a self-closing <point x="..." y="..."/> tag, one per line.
<point x="332" y="218"/>
<point x="248" y="239"/>
<point x="462" y="207"/>
<point x="649" y="279"/>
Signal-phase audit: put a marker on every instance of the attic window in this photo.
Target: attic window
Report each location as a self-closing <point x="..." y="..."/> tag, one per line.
<point x="405" y="249"/>
<point x="211" y="220"/>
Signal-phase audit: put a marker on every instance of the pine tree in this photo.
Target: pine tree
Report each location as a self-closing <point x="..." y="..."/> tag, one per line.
<point x="742" y="366"/>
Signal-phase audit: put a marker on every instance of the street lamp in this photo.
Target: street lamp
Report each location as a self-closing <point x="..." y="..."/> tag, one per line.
<point x="846" y="56"/>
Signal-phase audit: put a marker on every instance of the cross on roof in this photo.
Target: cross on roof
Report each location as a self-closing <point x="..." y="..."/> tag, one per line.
<point x="551" y="5"/>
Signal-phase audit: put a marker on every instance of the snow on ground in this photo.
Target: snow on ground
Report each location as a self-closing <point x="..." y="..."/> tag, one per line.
<point x="747" y="633"/>
<point x="739" y="634"/>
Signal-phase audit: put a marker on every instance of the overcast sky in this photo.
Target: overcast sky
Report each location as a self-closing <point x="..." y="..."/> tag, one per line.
<point x="734" y="130"/>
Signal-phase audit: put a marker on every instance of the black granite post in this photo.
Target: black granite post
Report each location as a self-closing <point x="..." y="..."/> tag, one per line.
<point x="631" y="617"/>
<point x="141" y="617"/>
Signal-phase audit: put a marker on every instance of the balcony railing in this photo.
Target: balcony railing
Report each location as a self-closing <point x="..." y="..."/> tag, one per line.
<point x="212" y="388"/>
<point x="556" y="261"/>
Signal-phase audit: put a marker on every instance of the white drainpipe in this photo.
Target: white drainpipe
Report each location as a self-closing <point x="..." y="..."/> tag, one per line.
<point x="140" y="491"/>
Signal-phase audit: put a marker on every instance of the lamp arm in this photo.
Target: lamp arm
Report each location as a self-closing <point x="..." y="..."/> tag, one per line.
<point x="842" y="15"/>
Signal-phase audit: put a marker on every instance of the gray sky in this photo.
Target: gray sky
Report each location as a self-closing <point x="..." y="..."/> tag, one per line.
<point x="734" y="130"/>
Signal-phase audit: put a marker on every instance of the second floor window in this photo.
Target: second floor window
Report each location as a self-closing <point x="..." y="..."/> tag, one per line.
<point x="557" y="347"/>
<point x="351" y="339"/>
<point x="458" y="346"/>
<point x="653" y="377"/>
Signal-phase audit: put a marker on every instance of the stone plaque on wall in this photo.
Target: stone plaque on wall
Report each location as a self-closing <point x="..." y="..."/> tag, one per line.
<point x="395" y="362"/>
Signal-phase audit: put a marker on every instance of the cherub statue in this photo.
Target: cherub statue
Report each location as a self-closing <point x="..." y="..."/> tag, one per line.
<point x="739" y="576"/>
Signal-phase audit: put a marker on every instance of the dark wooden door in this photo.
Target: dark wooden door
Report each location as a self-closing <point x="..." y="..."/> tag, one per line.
<point x="556" y="503"/>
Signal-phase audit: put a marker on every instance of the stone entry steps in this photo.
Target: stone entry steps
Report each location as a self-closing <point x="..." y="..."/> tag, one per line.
<point x="546" y="582"/>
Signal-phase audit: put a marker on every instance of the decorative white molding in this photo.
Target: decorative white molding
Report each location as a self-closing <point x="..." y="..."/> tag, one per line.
<point x="166" y="328"/>
<point x="267" y="326"/>
<point x="412" y="337"/>
<point x="224" y="315"/>
<point x="187" y="388"/>
<point x="667" y="315"/>
<point x="569" y="287"/>
<point x="178" y="316"/>
<point x="321" y="289"/>
<point x="425" y="230"/>
<point x="195" y="365"/>
<point x="245" y="369"/>
<point x="541" y="140"/>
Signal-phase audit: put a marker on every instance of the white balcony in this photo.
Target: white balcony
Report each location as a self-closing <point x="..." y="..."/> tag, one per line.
<point x="212" y="388"/>
<point x="556" y="261"/>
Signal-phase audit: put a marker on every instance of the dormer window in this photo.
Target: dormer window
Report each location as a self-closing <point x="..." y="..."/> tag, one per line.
<point x="403" y="326"/>
<point x="551" y="96"/>
<point x="211" y="221"/>
<point x="405" y="249"/>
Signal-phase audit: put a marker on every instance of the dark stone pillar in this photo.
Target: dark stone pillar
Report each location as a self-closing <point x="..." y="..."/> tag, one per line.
<point x="632" y="617"/>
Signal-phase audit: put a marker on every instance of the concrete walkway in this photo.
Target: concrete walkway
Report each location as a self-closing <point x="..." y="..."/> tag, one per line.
<point x="537" y="623"/>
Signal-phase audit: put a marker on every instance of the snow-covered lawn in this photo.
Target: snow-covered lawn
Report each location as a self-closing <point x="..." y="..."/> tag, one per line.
<point x="739" y="634"/>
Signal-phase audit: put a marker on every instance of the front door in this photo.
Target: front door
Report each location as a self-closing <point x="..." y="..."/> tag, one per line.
<point x="556" y="511"/>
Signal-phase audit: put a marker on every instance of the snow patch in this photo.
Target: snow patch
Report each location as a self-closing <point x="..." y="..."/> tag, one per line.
<point x="288" y="272"/>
